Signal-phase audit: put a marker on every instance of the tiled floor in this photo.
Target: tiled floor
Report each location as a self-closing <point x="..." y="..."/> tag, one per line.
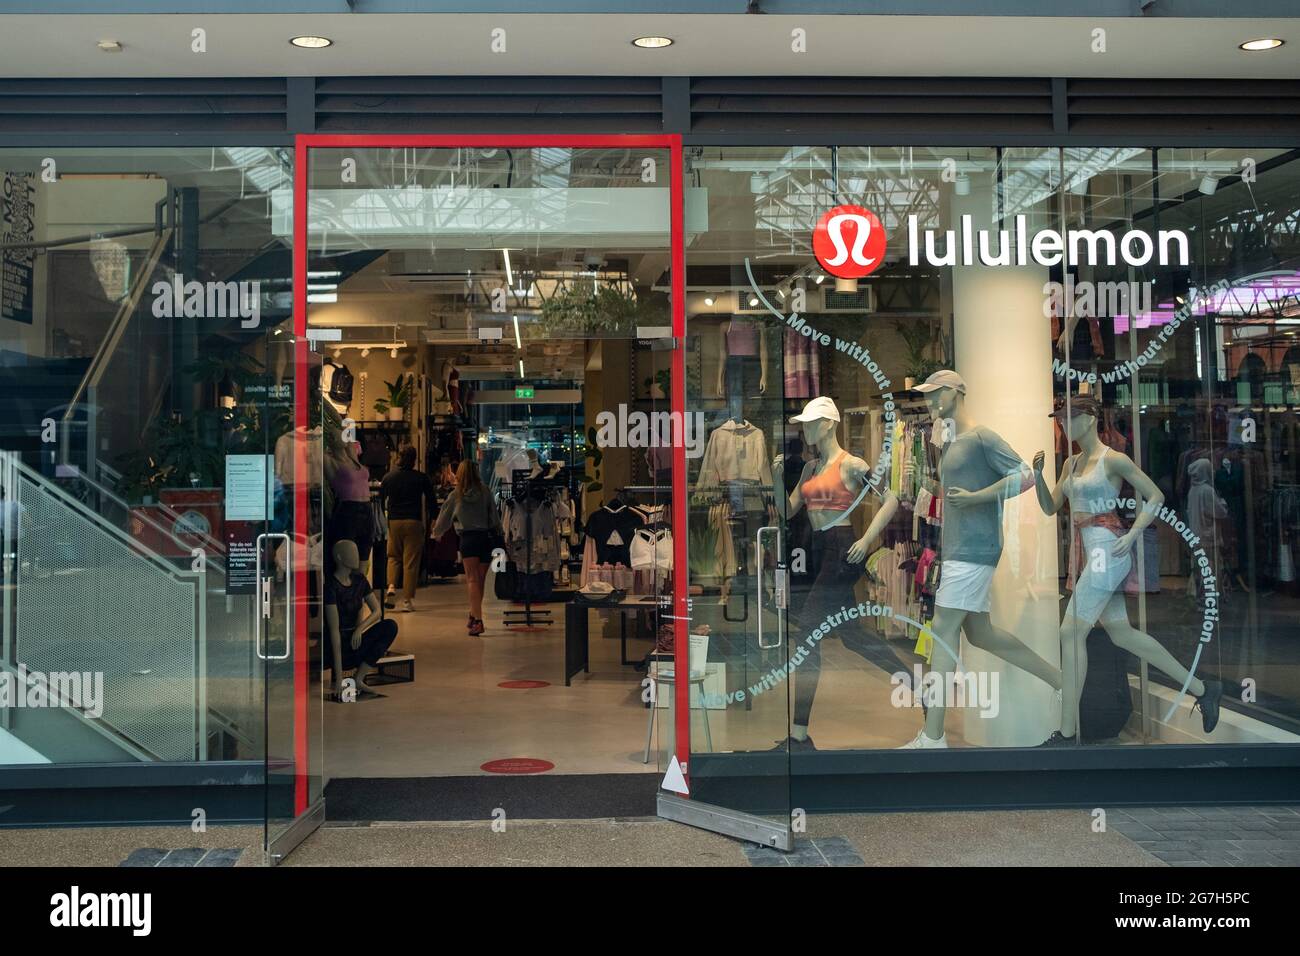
<point x="1214" y="836"/>
<point x="187" y="856"/>
<point x="1141" y="837"/>
<point x="827" y="851"/>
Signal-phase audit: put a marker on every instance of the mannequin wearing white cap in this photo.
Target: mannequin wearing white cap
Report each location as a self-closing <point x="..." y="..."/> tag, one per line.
<point x="972" y="544"/>
<point x="830" y="487"/>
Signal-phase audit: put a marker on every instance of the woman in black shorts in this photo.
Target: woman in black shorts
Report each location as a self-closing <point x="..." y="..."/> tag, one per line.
<point x="475" y="513"/>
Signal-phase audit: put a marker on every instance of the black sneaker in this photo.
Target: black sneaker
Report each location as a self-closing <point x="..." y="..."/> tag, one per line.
<point x="1209" y="704"/>
<point x="794" y="746"/>
<point x="1059" y="739"/>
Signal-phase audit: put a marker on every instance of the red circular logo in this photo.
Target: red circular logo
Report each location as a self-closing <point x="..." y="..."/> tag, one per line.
<point x="517" y="765"/>
<point x="849" y="242"/>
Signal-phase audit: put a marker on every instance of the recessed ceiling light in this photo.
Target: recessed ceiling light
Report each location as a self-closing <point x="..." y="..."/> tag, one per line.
<point x="652" y="43"/>
<point x="109" y="46"/>
<point x="312" y="43"/>
<point x="1263" y="43"/>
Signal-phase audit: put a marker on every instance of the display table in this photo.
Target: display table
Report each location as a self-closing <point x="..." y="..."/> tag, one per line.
<point x="576" y="630"/>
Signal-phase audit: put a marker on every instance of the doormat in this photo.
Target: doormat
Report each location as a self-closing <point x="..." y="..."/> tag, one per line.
<point x="546" y="797"/>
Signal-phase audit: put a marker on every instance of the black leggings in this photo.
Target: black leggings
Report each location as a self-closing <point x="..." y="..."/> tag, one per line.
<point x="827" y="588"/>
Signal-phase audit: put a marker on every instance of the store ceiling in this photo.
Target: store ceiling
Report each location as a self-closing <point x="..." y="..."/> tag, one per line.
<point x="599" y="44"/>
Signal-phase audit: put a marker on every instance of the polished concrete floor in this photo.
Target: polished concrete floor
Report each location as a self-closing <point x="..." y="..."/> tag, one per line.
<point x="454" y="717"/>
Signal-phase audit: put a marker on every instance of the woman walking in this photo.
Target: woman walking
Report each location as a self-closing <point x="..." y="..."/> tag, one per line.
<point x="472" y="508"/>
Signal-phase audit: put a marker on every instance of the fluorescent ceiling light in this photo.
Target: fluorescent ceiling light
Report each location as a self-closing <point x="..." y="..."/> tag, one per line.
<point x="1263" y="43"/>
<point x="521" y="368"/>
<point x="652" y="43"/>
<point x="510" y="277"/>
<point x="518" y="342"/>
<point x="322" y="297"/>
<point x="311" y="43"/>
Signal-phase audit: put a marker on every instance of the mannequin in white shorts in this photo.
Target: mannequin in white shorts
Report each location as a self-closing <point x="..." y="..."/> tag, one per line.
<point x="972" y="545"/>
<point x="1090" y="481"/>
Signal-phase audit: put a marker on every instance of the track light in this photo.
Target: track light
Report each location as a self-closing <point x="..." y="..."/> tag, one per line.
<point x="1209" y="183"/>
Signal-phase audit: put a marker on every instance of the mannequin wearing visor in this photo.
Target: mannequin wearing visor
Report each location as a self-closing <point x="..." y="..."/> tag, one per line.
<point x="830" y="487"/>
<point x="1090" y="482"/>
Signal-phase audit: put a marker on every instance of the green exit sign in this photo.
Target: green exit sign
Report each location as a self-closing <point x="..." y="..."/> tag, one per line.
<point x="523" y="392"/>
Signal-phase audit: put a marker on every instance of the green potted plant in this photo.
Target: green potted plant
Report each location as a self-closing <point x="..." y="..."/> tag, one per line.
<point x="591" y="480"/>
<point x="917" y="335"/>
<point x="582" y="311"/>
<point x="393" y="405"/>
<point x="659" y="384"/>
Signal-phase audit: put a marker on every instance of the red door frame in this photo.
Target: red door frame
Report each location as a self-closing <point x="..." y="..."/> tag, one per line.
<point x="677" y="193"/>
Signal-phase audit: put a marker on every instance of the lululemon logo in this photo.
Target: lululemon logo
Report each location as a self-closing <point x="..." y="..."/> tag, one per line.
<point x="849" y="242"/>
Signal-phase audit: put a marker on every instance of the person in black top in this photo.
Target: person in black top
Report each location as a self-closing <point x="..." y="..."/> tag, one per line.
<point x="353" y="639"/>
<point x="408" y="494"/>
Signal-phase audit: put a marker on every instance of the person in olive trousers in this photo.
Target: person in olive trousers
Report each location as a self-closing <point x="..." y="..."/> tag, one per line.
<point x="408" y="495"/>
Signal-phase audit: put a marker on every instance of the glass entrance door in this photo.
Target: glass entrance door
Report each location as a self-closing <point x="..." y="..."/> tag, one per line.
<point x="734" y="700"/>
<point x="288" y="570"/>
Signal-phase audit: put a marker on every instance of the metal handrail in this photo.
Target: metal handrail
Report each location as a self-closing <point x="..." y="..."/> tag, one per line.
<point x="46" y="487"/>
<point x="99" y="363"/>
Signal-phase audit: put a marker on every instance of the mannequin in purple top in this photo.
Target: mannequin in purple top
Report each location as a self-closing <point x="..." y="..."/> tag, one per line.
<point x="742" y="353"/>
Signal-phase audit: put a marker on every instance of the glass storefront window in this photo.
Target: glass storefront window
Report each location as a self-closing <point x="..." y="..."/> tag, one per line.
<point x="1112" y="319"/>
<point x="147" y="368"/>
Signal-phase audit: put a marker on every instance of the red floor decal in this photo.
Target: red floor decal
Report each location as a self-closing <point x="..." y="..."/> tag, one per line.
<point x="517" y="765"/>
<point x="523" y="684"/>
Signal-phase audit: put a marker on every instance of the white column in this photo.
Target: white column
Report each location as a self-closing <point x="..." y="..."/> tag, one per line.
<point x="1003" y="350"/>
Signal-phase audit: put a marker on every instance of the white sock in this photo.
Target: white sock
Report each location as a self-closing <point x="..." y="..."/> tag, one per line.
<point x="799" y="732"/>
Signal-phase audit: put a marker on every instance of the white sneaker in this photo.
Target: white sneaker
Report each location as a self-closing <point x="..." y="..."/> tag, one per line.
<point x="922" y="742"/>
<point x="407" y="605"/>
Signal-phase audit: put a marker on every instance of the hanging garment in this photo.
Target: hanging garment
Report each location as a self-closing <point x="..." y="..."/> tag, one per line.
<point x="802" y="366"/>
<point x="735" y="452"/>
<point x="532" y="541"/>
<point x="652" y="549"/>
<point x="612" y="528"/>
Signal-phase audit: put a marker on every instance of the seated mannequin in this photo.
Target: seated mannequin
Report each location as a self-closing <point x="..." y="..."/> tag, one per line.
<point x="357" y="635"/>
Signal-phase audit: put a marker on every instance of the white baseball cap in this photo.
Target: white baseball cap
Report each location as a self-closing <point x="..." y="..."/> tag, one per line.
<point x="944" y="378"/>
<point x="817" y="409"/>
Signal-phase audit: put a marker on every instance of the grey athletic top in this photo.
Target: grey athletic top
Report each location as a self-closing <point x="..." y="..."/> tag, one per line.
<point x="972" y="461"/>
<point x="476" y="511"/>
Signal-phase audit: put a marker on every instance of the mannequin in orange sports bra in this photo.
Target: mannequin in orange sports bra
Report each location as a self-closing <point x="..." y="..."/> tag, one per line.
<point x="830" y="487"/>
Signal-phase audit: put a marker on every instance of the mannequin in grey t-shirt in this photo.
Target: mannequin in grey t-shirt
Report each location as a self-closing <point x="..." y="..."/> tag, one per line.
<point x="978" y="471"/>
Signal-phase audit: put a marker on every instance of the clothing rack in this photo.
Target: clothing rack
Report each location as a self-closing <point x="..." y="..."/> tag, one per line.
<point x="522" y="486"/>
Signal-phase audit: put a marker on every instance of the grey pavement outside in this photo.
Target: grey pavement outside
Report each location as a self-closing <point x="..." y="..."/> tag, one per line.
<point x="1165" y="836"/>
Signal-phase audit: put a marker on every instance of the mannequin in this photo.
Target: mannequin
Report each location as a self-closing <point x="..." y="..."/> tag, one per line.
<point x="357" y="634"/>
<point x="971" y="543"/>
<point x="352" y="518"/>
<point x="830" y="487"/>
<point x="740" y="342"/>
<point x="1087" y="480"/>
